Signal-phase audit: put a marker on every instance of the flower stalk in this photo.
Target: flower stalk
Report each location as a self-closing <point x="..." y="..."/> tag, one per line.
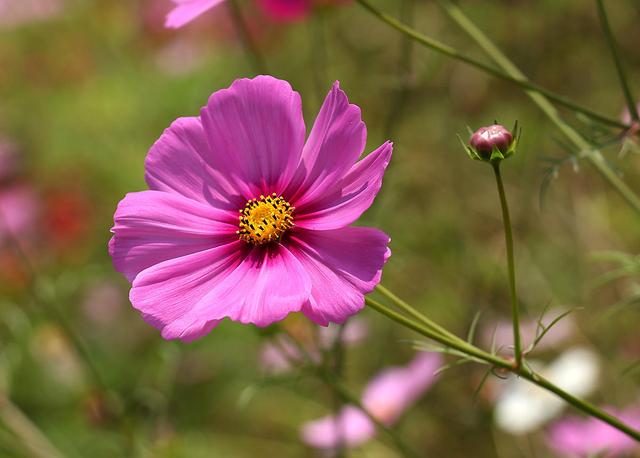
<point x="542" y="100"/>
<point x="449" y="51"/>
<point x="611" y="42"/>
<point x="508" y="237"/>
<point x="250" y="46"/>
<point x="509" y="72"/>
<point x="523" y="371"/>
<point x="333" y="381"/>
<point x="30" y="436"/>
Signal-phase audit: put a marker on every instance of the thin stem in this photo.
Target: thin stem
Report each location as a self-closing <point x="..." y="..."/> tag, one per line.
<point x="29" y="434"/>
<point x="578" y="403"/>
<point x="338" y="387"/>
<point x="402" y="305"/>
<point x="319" y="60"/>
<point x="461" y="346"/>
<point x="508" y="238"/>
<point x="405" y="72"/>
<point x="539" y="95"/>
<point x="519" y="81"/>
<point x="542" y="100"/>
<point x="504" y="364"/>
<point x="496" y="361"/>
<point x="348" y="398"/>
<point x="50" y="307"/>
<point x="335" y="357"/>
<point x="611" y="41"/>
<point x="250" y="46"/>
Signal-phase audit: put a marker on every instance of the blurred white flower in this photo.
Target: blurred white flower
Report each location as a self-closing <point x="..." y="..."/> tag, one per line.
<point x="523" y="407"/>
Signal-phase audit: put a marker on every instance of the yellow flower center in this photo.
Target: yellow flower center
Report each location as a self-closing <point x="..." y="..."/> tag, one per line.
<point x="265" y="219"/>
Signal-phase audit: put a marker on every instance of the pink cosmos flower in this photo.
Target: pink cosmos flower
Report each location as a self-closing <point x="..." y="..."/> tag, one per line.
<point x="246" y="220"/>
<point x="576" y="437"/>
<point x="186" y="11"/>
<point x="386" y="397"/>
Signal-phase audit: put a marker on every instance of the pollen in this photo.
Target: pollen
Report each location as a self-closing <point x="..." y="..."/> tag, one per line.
<point x="265" y="219"/>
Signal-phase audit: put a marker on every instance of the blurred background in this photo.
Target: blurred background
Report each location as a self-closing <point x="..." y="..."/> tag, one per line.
<point x="86" y="86"/>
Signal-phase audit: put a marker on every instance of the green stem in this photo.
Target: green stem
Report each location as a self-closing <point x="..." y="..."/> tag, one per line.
<point x="542" y="100"/>
<point x="405" y="72"/>
<point x="508" y="238"/>
<point x="318" y="56"/>
<point x="31" y="437"/>
<point x="606" y="28"/>
<point x="335" y="357"/>
<point x="539" y="95"/>
<point x="519" y="81"/>
<point x="578" y="403"/>
<point x="496" y="361"/>
<point x="461" y="346"/>
<point x="250" y="46"/>
<point x="402" y="305"/>
<point x="36" y="285"/>
<point x="348" y="398"/>
<point x="338" y="387"/>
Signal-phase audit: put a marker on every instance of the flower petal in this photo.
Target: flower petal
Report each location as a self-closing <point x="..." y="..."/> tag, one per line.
<point x="585" y="437"/>
<point x="351" y="196"/>
<point x="337" y="139"/>
<point x="395" y="389"/>
<point x="269" y="284"/>
<point x="350" y="428"/>
<point x="180" y="162"/>
<point x="170" y="295"/>
<point x="186" y="11"/>
<point x="343" y="264"/>
<point x="259" y="285"/>
<point x="153" y="226"/>
<point x="256" y="133"/>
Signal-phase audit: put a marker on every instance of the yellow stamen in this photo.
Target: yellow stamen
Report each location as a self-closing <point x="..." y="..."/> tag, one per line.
<point x="265" y="219"/>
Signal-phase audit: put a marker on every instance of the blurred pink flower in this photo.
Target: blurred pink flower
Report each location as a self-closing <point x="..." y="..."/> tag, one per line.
<point x="194" y="260"/>
<point x="355" y="330"/>
<point x="186" y="11"/>
<point x="14" y="13"/>
<point x="276" y="357"/>
<point x="286" y="10"/>
<point x="575" y="437"/>
<point x="500" y="333"/>
<point x="386" y="398"/>
<point x="18" y="212"/>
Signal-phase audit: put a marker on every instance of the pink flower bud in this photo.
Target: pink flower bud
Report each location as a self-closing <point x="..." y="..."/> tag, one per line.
<point x="485" y="139"/>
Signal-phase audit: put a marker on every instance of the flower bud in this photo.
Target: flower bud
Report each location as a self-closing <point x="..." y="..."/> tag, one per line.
<point x="492" y="143"/>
